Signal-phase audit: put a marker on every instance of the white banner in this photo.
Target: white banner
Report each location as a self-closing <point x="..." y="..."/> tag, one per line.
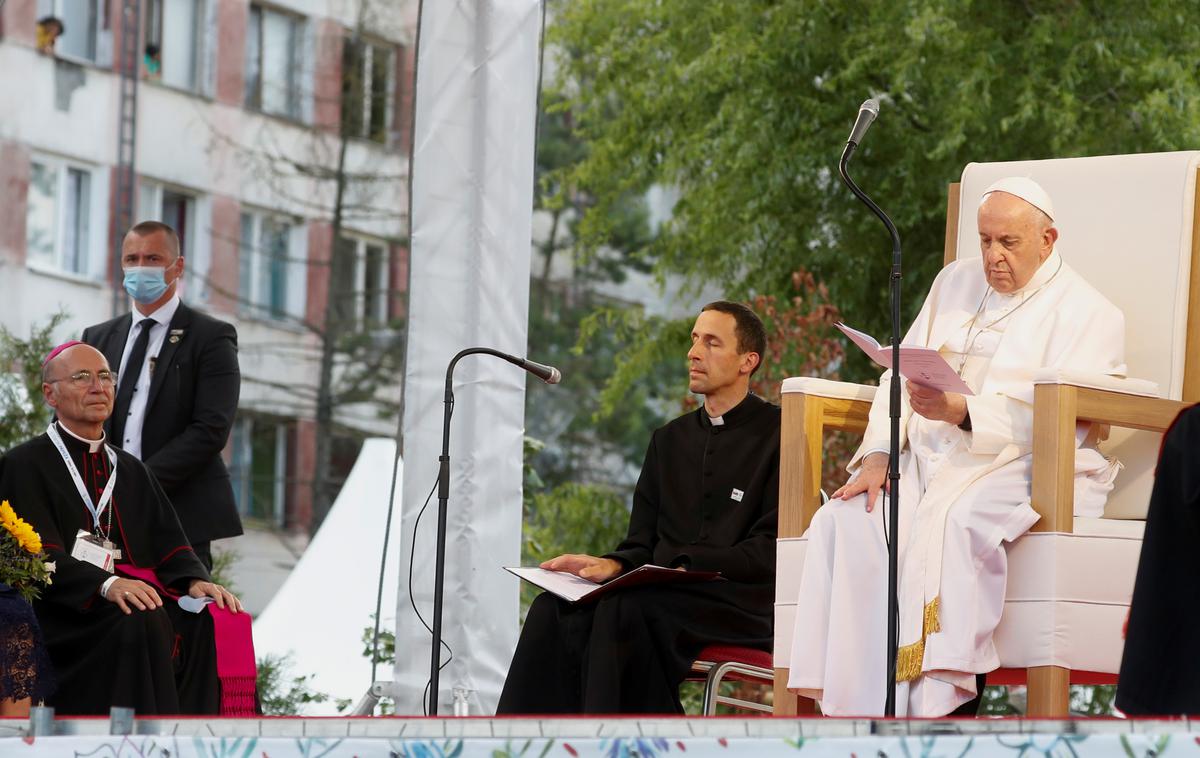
<point x="472" y="209"/>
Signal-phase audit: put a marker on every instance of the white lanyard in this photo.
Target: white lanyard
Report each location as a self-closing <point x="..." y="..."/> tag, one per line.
<point x="106" y="496"/>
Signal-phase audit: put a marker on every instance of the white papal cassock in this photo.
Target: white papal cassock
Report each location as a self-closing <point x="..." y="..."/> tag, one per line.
<point x="962" y="495"/>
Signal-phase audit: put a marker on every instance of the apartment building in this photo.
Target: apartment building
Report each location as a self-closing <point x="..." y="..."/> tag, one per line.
<point x="243" y="109"/>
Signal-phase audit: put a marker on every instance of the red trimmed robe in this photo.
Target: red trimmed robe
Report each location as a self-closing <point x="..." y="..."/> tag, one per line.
<point x="156" y="662"/>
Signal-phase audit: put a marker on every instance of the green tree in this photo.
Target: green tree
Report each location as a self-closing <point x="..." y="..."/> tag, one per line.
<point x="566" y="289"/>
<point x="23" y="415"/>
<point x="744" y="106"/>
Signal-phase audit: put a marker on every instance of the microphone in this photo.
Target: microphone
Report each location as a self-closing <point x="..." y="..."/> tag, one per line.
<point x="547" y="374"/>
<point x="866" y="114"/>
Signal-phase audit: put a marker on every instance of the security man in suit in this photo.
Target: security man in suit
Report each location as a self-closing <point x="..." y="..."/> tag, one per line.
<point x="178" y="385"/>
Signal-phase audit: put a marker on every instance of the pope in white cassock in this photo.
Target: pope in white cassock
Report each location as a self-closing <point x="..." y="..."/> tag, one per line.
<point x="965" y="465"/>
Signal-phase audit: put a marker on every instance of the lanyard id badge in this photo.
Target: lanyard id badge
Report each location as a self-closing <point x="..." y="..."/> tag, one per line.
<point x="96" y="509"/>
<point x="91" y="549"/>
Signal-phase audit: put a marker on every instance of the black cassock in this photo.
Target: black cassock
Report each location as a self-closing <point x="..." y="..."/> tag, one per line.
<point x="707" y="499"/>
<point x="157" y="662"/>
<point x="1160" y="670"/>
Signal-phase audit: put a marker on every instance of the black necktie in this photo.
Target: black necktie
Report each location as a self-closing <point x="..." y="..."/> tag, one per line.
<point x="129" y="377"/>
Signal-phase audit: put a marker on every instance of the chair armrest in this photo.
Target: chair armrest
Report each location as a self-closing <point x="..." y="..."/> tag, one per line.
<point x="811" y="385"/>
<point x="1096" y="381"/>
<point x="1057" y="406"/>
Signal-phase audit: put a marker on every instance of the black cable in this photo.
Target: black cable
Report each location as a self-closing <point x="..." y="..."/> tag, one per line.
<point x="412" y="601"/>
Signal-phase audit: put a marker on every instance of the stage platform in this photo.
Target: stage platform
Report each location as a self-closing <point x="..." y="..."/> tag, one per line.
<point x="603" y="737"/>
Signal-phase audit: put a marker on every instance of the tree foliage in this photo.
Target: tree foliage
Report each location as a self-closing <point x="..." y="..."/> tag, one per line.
<point x="23" y="414"/>
<point x="744" y="106"/>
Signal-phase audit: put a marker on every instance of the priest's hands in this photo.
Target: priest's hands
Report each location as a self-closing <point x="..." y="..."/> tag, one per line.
<point x="871" y="477"/>
<point x="936" y="405"/>
<point x="128" y="594"/>
<point x="585" y="566"/>
<point x="224" y="598"/>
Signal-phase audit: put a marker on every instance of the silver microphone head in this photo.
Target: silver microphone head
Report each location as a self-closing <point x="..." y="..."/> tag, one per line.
<point x="871" y="105"/>
<point x="555" y="376"/>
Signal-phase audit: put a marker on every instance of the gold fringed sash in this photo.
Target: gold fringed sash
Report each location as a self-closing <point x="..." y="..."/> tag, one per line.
<point x="910" y="658"/>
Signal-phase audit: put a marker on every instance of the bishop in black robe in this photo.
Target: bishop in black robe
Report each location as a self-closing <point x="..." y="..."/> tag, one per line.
<point x="707" y="499"/>
<point x="1160" y="670"/>
<point x="159" y="661"/>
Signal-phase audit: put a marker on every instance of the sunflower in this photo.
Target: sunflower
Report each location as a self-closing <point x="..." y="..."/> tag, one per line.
<point x="25" y="535"/>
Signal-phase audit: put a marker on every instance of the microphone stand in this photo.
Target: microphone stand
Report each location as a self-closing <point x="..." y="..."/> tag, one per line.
<point x="443" y="488"/>
<point x="893" y="476"/>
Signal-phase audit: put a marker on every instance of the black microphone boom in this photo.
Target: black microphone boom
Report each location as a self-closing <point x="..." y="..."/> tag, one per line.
<point x="866" y="115"/>
<point x="547" y="374"/>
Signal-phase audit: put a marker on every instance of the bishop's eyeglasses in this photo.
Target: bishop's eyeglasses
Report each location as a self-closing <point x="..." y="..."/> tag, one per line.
<point x="107" y="379"/>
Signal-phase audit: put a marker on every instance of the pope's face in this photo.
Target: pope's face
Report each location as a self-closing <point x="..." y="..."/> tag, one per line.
<point x="80" y="386"/>
<point x="714" y="362"/>
<point x="1015" y="238"/>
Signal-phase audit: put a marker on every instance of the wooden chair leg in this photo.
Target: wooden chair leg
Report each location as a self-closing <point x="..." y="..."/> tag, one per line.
<point x="788" y="703"/>
<point x="1049" y="692"/>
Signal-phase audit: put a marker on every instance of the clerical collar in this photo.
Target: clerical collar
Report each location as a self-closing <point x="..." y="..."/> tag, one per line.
<point x="734" y="415"/>
<point x="1042" y="276"/>
<point x="94" y="446"/>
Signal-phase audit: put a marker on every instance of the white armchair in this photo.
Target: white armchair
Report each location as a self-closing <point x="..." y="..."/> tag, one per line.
<point x="1127" y="224"/>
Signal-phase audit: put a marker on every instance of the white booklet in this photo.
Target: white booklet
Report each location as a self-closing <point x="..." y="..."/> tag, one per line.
<point x="573" y="588"/>
<point x="920" y="365"/>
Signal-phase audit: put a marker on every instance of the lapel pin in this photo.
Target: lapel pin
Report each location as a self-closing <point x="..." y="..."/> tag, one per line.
<point x="175" y="336"/>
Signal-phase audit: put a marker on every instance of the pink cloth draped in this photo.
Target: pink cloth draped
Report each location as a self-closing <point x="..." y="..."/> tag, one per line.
<point x="236" y="667"/>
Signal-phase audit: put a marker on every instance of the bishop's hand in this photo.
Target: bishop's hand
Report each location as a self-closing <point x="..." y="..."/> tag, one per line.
<point x="936" y="405"/>
<point x="223" y="597"/>
<point x="585" y="566"/>
<point x="129" y="594"/>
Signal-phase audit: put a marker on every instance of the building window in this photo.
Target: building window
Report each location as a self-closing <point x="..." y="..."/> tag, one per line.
<point x="86" y="34"/>
<point x="259" y="468"/>
<point x="184" y="212"/>
<point x="174" y="41"/>
<point x="362" y="265"/>
<point x="63" y="228"/>
<point x="272" y="266"/>
<point x="366" y="85"/>
<point x="273" y="42"/>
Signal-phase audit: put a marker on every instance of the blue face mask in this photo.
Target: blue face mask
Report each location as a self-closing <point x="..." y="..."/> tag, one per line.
<point x="145" y="284"/>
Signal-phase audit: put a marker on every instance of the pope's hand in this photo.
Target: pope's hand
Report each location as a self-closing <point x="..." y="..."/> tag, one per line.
<point x="224" y="598"/>
<point x="585" y="566"/>
<point x="131" y="593"/>
<point x="871" y="477"/>
<point x="936" y="405"/>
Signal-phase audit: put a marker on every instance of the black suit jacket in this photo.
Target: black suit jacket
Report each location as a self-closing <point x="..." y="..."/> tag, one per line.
<point x="193" y="398"/>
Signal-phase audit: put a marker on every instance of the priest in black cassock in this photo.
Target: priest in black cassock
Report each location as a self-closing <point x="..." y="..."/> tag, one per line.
<point x="112" y="639"/>
<point x="1160" y="669"/>
<point x="707" y="499"/>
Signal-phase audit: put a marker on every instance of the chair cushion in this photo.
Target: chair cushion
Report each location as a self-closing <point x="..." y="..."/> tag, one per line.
<point x="737" y="654"/>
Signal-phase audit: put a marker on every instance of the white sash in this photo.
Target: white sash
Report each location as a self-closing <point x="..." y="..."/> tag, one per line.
<point x="105" y="497"/>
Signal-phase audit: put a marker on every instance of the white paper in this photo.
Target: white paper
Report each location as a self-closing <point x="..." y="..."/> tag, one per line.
<point x="920" y="365"/>
<point x="567" y="586"/>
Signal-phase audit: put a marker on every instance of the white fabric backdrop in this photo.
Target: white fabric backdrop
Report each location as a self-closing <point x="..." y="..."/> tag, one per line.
<point x="317" y="616"/>
<point x="472" y="208"/>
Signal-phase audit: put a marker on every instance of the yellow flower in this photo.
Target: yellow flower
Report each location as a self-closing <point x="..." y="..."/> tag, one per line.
<point x="7" y="515"/>
<point x="26" y="536"/>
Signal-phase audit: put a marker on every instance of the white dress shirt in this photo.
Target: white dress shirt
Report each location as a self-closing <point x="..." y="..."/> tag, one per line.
<point x="132" y="442"/>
